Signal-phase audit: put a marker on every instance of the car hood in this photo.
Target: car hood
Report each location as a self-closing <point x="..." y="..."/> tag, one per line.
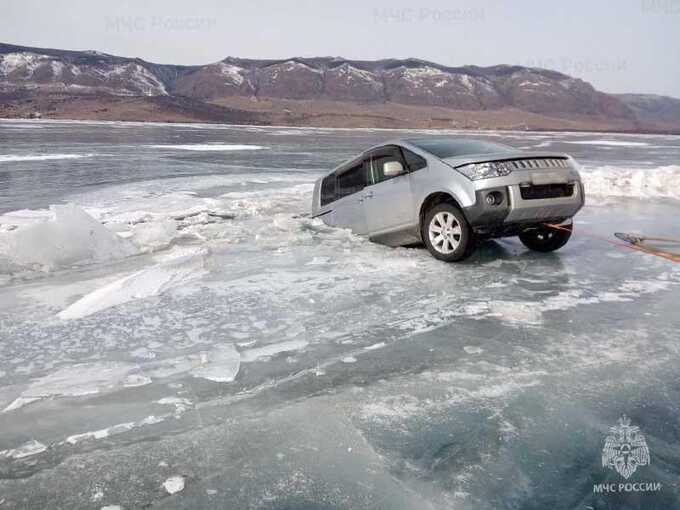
<point x="500" y="156"/>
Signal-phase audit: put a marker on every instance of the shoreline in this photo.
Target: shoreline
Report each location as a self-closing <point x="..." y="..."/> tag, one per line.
<point x="335" y="128"/>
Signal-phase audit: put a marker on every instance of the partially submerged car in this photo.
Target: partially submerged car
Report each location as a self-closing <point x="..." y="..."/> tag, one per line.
<point x="449" y="192"/>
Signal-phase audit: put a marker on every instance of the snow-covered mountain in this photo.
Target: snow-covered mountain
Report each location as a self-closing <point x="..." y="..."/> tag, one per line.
<point x="378" y="87"/>
<point x="84" y="73"/>
<point x="408" y="81"/>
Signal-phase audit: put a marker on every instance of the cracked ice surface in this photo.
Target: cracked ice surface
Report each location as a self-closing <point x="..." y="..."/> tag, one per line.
<point x="267" y="360"/>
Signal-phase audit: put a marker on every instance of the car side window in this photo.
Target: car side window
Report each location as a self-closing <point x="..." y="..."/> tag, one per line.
<point x="351" y="181"/>
<point x="380" y="161"/>
<point x="328" y="190"/>
<point x="413" y="161"/>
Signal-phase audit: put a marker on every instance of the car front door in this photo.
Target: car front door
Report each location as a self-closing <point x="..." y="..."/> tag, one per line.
<point x="388" y="200"/>
<point x="348" y="209"/>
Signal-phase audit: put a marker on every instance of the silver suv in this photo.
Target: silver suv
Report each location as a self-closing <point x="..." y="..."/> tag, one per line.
<point x="450" y="192"/>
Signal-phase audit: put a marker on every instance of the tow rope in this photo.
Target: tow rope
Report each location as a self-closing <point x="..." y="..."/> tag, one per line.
<point x="632" y="242"/>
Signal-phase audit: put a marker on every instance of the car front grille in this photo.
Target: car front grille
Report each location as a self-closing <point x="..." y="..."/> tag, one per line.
<point x="521" y="164"/>
<point x="538" y="191"/>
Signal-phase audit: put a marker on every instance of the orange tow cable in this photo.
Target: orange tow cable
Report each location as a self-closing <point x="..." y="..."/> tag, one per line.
<point x="663" y="254"/>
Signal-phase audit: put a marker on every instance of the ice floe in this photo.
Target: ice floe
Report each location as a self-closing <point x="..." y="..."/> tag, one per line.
<point x="265" y="351"/>
<point x="68" y="237"/>
<point x="373" y="347"/>
<point x="28" y="449"/>
<point x="101" y="433"/>
<point x="185" y="265"/>
<point x="220" y="365"/>
<point x="113" y="430"/>
<point x="75" y="380"/>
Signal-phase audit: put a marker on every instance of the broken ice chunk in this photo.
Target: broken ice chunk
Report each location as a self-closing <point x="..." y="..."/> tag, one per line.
<point x="219" y="365"/>
<point x="33" y="447"/>
<point x="174" y="484"/>
<point x="70" y="237"/>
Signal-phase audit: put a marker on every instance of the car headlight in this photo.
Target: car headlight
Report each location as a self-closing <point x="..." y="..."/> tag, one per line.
<point x="475" y="171"/>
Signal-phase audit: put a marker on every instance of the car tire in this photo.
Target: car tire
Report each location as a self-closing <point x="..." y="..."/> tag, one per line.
<point x="546" y="239"/>
<point x="446" y="233"/>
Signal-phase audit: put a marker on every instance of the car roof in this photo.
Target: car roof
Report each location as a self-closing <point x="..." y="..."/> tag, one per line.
<point x="412" y="143"/>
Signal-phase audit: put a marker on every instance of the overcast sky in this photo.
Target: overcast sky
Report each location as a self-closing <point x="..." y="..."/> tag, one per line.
<point x="618" y="46"/>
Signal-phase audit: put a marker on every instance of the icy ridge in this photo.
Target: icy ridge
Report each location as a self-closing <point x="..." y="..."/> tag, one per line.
<point x="613" y="181"/>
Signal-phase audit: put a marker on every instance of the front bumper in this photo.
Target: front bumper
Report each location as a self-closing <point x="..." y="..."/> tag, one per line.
<point x="514" y="210"/>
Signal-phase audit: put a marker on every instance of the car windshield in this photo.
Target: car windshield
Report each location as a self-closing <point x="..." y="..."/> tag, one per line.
<point x="451" y="148"/>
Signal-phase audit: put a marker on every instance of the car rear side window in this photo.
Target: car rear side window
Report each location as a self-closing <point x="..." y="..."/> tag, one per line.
<point x="377" y="167"/>
<point x="413" y="161"/>
<point x="328" y="190"/>
<point x="351" y="181"/>
<point x="378" y="158"/>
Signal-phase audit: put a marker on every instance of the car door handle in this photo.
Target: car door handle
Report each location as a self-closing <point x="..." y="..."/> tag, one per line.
<point x="368" y="195"/>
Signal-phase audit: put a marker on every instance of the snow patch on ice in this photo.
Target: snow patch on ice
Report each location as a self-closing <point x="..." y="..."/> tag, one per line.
<point x="135" y="380"/>
<point x="609" y="143"/>
<point x="613" y="181"/>
<point x="209" y="147"/>
<point x="531" y="313"/>
<point x="393" y="409"/>
<point x="399" y="406"/>
<point x="174" y="484"/>
<point x="174" y="401"/>
<point x="7" y="158"/>
<point x="470" y="349"/>
<point x="513" y="311"/>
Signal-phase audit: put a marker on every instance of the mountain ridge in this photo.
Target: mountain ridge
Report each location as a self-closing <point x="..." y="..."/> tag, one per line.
<point x="332" y="91"/>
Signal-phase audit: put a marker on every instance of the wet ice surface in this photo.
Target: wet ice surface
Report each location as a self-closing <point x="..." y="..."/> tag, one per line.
<point x="223" y="342"/>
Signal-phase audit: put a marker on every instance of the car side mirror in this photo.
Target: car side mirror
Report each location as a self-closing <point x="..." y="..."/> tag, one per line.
<point x="393" y="168"/>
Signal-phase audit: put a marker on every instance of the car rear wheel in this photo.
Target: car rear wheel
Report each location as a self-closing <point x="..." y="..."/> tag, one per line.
<point x="546" y="239"/>
<point x="446" y="233"/>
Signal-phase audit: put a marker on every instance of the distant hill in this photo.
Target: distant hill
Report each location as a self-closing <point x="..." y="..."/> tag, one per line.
<point x="321" y="91"/>
<point x="654" y="112"/>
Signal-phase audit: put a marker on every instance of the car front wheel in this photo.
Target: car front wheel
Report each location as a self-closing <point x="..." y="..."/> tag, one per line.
<point x="446" y="233"/>
<point x="546" y="239"/>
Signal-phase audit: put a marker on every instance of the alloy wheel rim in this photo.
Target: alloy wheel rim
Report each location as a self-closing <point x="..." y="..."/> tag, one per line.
<point x="445" y="232"/>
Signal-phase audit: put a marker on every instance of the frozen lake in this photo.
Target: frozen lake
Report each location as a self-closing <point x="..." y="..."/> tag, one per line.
<point x="177" y="323"/>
